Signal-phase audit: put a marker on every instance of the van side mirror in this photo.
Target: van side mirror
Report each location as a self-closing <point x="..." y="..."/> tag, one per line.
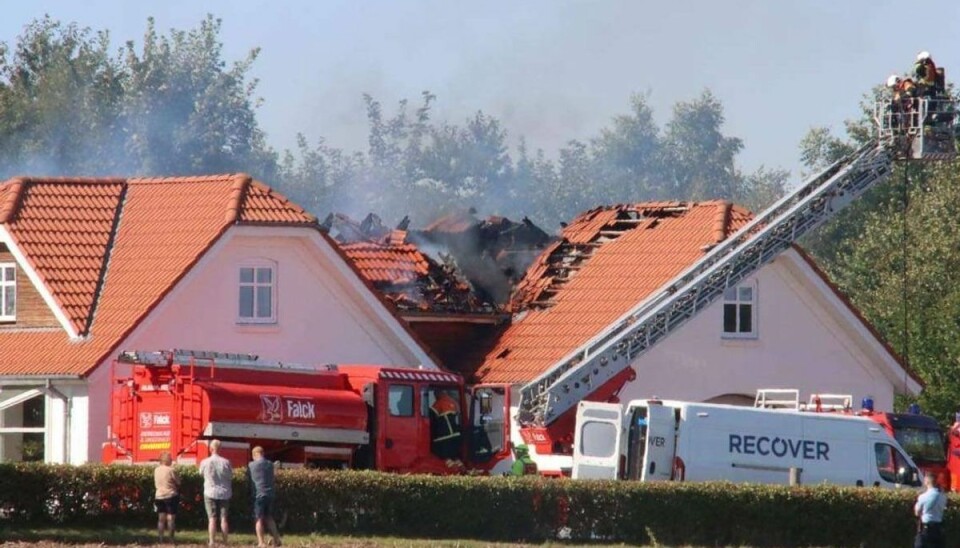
<point x="903" y="476"/>
<point x="908" y="476"/>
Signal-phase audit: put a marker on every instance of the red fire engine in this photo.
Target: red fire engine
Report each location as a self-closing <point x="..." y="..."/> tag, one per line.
<point x="340" y="416"/>
<point x="919" y="435"/>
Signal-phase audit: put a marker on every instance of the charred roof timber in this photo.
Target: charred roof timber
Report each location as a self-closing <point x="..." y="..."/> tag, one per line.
<point x="493" y="253"/>
<point x="414" y="282"/>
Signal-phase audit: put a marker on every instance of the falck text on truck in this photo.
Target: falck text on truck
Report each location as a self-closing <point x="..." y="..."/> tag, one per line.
<point x="779" y="447"/>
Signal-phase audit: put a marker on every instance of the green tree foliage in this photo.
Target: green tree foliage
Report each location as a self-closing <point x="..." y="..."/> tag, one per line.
<point x="185" y="111"/>
<point x="896" y="253"/>
<point x="170" y="104"/>
<point x="61" y="94"/>
<point x="70" y="106"/>
<point x="698" y="157"/>
<point x="414" y="166"/>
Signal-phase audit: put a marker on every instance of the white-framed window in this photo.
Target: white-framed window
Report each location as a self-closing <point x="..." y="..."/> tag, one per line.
<point x="8" y="292"/>
<point x="740" y="312"/>
<point x="257" y="292"/>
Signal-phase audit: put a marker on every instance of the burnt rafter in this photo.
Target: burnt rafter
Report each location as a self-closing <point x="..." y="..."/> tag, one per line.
<point x="582" y="238"/>
<point x="400" y="271"/>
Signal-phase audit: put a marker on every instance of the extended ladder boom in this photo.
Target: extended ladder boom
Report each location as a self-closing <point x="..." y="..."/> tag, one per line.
<point x="726" y="265"/>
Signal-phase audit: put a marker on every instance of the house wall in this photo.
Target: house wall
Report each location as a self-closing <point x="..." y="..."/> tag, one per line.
<point x="32" y="311"/>
<point x="320" y="319"/>
<point x="322" y="315"/>
<point x="801" y="344"/>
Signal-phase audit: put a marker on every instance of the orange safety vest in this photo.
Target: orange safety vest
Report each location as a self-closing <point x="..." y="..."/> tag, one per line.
<point x="906" y="89"/>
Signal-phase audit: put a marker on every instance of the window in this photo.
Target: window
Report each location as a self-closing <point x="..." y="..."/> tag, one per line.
<point x="892" y="465"/>
<point x="739" y="312"/>
<point x="598" y="439"/>
<point x="8" y="292"/>
<point x="922" y="444"/>
<point x="400" y="400"/>
<point x="258" y="291"/>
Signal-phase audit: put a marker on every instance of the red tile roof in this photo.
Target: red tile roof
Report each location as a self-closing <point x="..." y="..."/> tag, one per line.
<point x="406" y="277"/>
<point x="609" y="260"/>
<point x="109" y="250"/>
<point x="64" y="229"/>
<point x="391" y="263"/>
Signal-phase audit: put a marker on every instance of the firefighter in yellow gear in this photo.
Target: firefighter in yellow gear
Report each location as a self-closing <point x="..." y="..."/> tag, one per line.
<point x="523" y="465"/>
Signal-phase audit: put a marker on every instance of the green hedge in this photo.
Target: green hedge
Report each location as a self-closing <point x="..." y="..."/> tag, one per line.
<point x="489" y="508"/>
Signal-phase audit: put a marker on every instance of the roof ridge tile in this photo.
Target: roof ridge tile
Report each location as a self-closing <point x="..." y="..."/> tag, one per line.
<point x="10" y="198"/>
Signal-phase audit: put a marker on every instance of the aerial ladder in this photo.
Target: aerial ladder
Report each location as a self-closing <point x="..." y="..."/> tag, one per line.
<point x="924" y="129"/>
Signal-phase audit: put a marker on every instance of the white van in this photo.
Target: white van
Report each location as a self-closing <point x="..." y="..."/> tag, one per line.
<point x="682" y="441"/>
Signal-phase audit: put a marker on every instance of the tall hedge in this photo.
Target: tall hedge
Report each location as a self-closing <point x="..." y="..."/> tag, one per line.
<point x="489" y="508"/>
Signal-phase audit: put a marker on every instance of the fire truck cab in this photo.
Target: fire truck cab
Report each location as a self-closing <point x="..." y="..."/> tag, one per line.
<point x="330" y="416"/>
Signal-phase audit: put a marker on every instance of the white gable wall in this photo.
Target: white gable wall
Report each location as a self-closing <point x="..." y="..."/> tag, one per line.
<point x="325" y="314"/>
<point x="807" y="340"/>
<point x="321" y="316"/>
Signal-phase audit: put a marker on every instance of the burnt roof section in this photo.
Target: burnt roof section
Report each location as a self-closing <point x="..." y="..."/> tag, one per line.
<point x="493" y="253"/>
<point x="413" y="281"/>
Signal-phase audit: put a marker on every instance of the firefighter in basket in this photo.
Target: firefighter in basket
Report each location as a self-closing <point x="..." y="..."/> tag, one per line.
<point x="903" y="92"/>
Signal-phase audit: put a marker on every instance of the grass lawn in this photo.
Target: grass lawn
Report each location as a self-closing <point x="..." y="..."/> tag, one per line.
<point x="118" y="536"/>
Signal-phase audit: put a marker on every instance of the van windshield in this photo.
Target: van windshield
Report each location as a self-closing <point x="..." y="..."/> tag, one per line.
<point x="922" y="444"/>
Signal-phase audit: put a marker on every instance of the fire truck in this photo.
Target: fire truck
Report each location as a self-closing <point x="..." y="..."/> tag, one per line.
<point x="919" y="435"/>
<point x="923" y="129"/>
<point x="330" y="416"/>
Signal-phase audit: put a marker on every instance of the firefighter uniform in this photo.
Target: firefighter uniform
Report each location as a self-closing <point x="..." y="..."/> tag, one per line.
<point x="523" y="465"/>
<point x="445" y="426"/>
<point x="925" y="73"/>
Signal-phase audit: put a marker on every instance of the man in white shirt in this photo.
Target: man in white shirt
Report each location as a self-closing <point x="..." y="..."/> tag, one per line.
<point x="929" y="508"/>
<point x="217" y="491"/>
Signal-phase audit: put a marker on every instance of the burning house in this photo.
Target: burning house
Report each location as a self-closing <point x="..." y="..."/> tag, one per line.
<point x="455" y="322"/>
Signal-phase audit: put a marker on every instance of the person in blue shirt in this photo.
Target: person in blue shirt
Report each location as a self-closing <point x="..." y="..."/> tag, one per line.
<point x="929" y="510"/>
<point x="260" y="474"/>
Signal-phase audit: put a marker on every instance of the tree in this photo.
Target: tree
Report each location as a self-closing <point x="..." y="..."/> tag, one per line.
<point x="896" y="253"/>
<point x="69" y="107"/>
<point x="60" y="96"/>
<point x="629" y="156"/>
<point x="186" y="112"/>
<point x="761" y="188"/>
<point x="699" y="159"/>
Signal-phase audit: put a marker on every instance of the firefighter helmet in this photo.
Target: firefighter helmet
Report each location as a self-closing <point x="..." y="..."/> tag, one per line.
<point x="893" y="80"/>
<point x="923" y="56"/>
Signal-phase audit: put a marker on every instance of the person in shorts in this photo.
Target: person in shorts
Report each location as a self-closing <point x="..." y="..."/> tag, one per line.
<point x="167" y="496"/>
<point x="217" y="491"/>
<point x="261" y="478"/>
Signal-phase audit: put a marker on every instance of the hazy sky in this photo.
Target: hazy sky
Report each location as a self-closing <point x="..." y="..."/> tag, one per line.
<point x="551" y="70"/>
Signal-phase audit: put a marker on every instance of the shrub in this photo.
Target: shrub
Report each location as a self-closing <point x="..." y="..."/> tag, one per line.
<point x="488" y="508"/>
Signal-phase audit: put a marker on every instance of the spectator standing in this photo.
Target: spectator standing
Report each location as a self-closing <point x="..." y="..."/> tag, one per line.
<point x="217" y="491"/>
<point x="167" y="496"/>
<point x="929" y="510"/>
<point x="260" y="475"/>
